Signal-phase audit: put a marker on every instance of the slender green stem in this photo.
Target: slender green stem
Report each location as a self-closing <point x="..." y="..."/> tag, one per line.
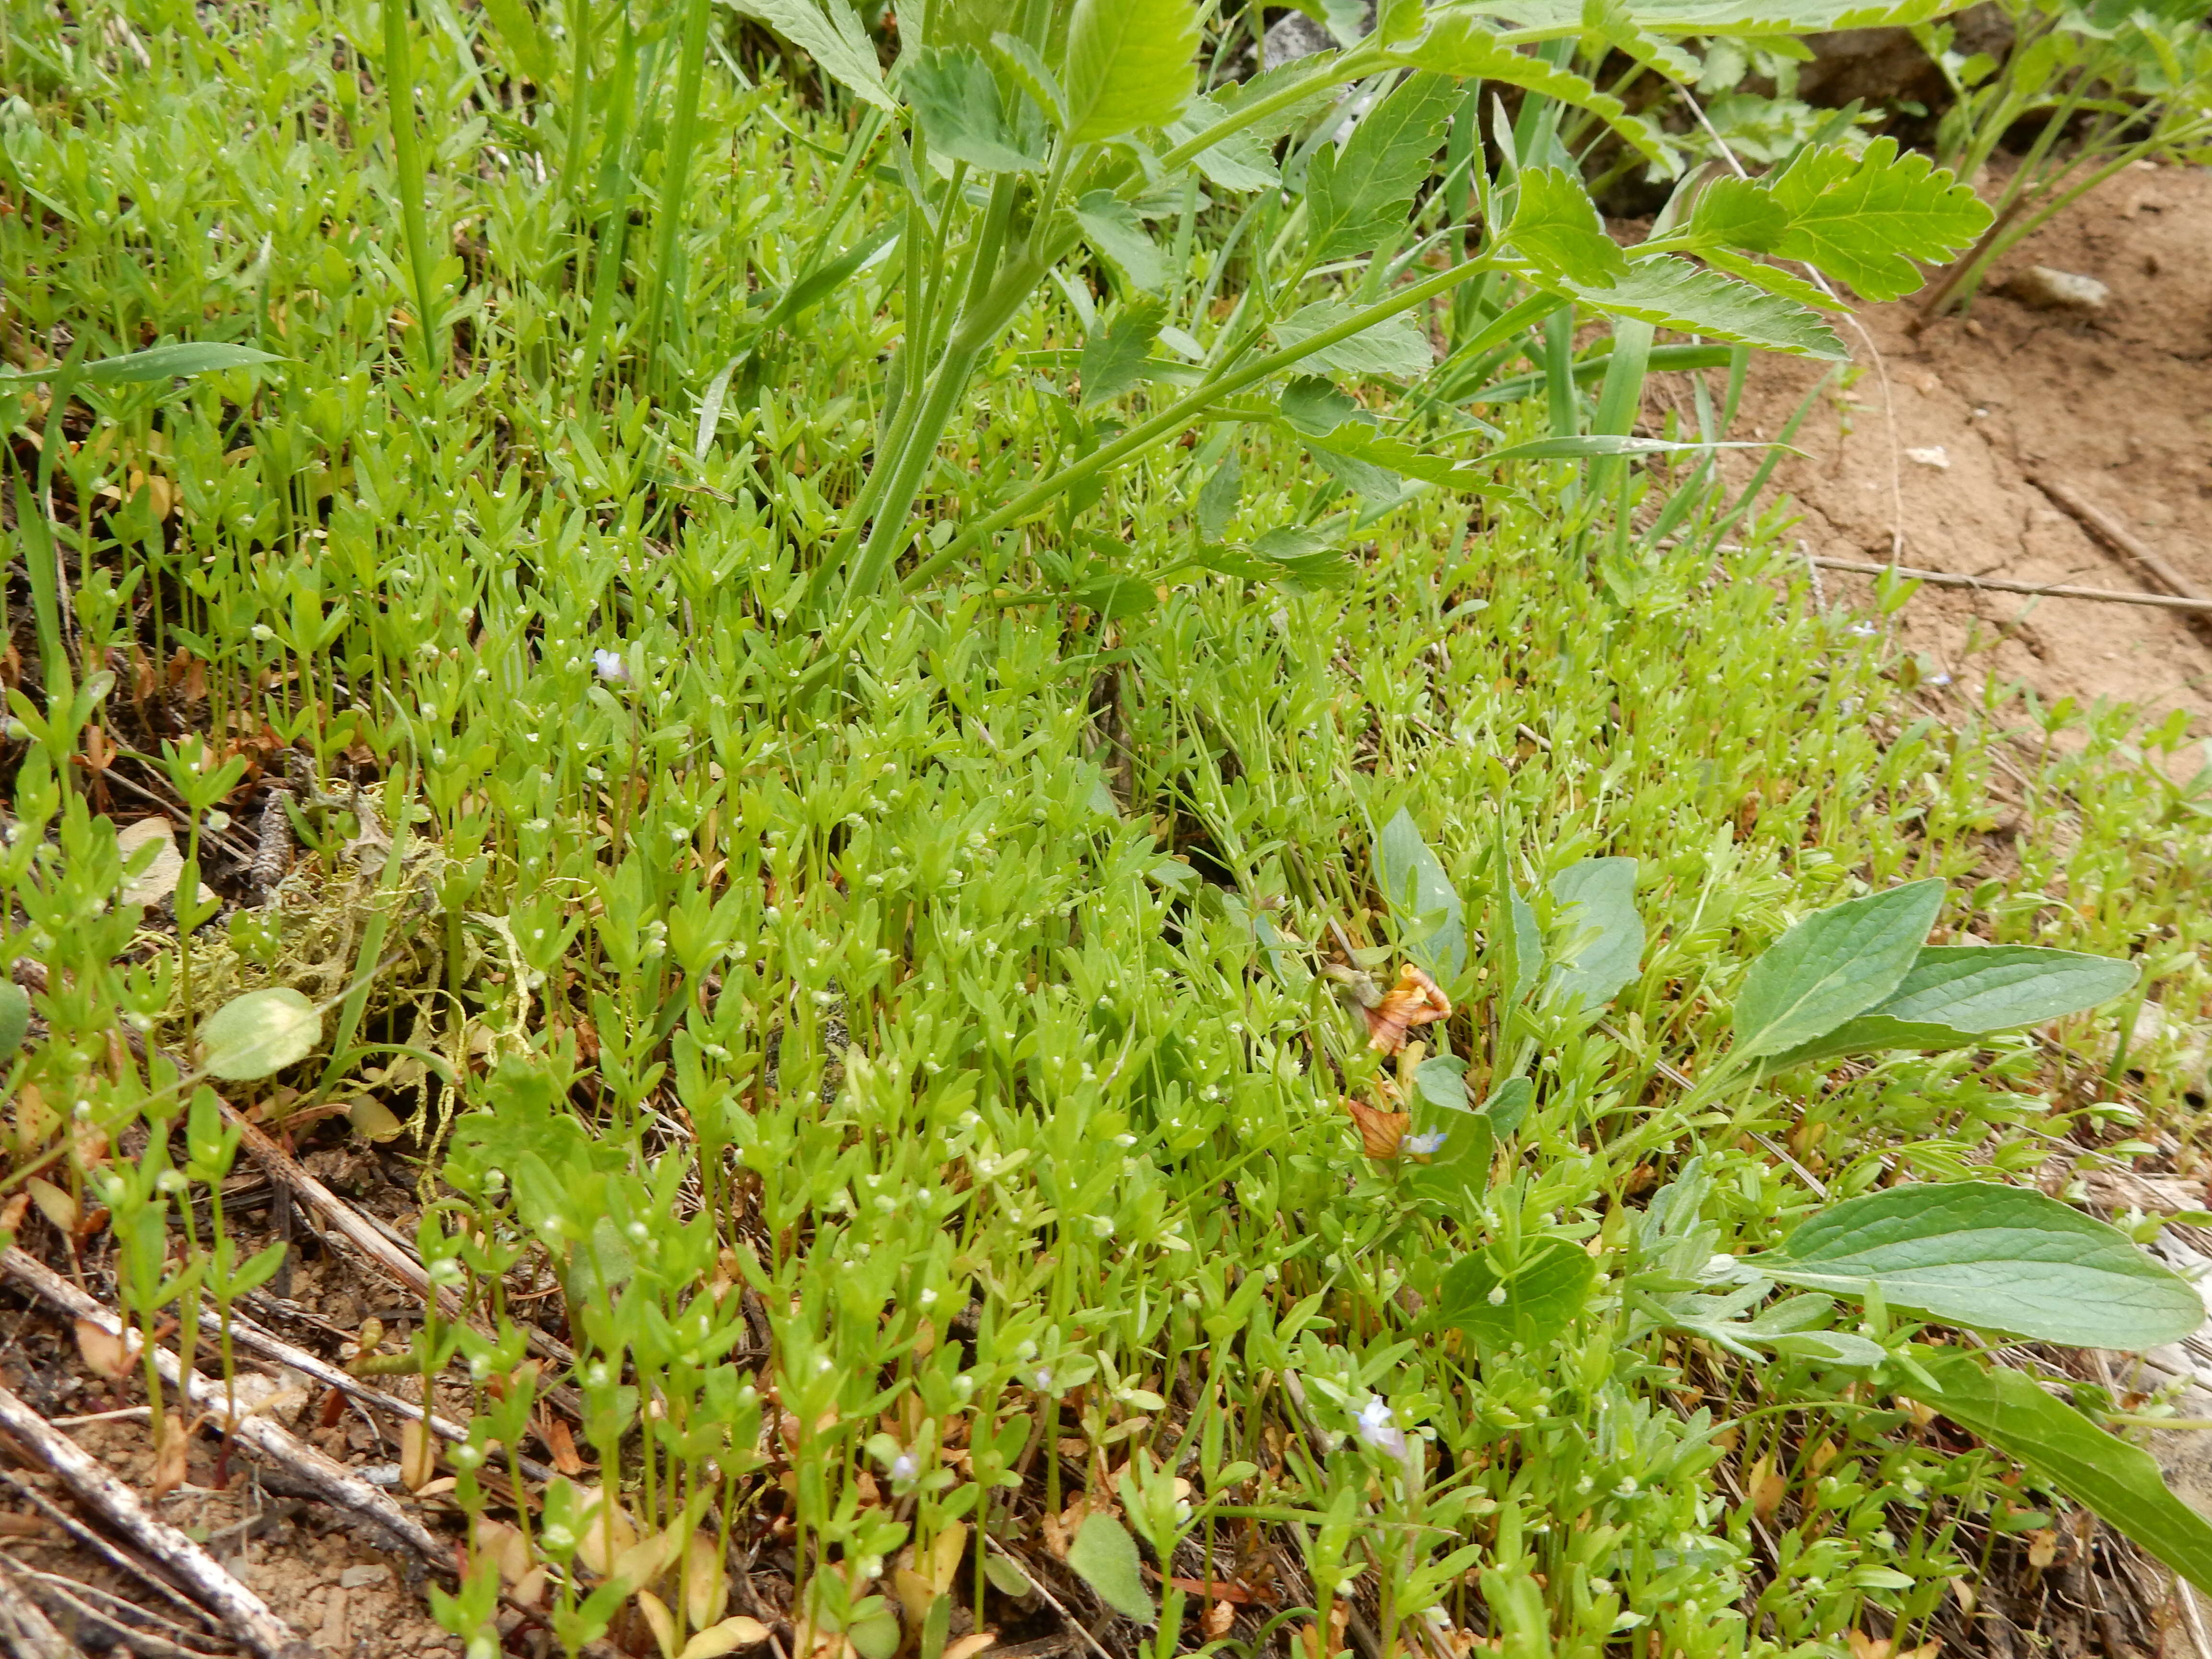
<point x="1179" y="415"/>
<point x="579" y="100"/>
<point x="412" y="180"/>
<point x="1362" y="61"/>
<point x="675" y="177"/>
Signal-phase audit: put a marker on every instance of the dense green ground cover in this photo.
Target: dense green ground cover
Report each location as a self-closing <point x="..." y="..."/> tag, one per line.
<point x="969" y="1004"/>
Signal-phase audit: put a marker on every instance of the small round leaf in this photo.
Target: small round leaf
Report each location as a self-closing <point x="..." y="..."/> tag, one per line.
<point x="260" y="1033"/>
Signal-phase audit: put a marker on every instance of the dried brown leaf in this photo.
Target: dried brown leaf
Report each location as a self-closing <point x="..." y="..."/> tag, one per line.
<point x="1416" y="999"/>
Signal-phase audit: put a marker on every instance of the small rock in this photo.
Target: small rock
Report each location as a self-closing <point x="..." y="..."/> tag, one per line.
<point x="2041" y="289"/>
<point x="1936" y="455"/>
<point x="362" y="1577"/>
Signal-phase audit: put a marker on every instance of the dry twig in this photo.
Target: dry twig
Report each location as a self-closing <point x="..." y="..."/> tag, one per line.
<point x="321" y="1475"/>
<point x="2197" y="609"/>
<point x="246" y="1615"/>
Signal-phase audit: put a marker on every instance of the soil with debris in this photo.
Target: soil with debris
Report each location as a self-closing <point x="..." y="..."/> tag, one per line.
<point x="1980" y="413"/>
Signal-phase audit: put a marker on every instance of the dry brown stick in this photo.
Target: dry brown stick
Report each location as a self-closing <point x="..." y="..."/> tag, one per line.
<point x="81" y="1605"/>
<point x="321" y="1474"/>
<point x="25" y="1631"/>
<point x="248" y="1336"/>
<point x="246" y="1615"/>
<point x="98" y="1544"/>
<point x="2114" y="535"/>
<point x="2183" y="602"/>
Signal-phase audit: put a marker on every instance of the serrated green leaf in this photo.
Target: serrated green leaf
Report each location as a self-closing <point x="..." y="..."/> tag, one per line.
<point x="1603" y="934"/>
<point x="963" y="115"/>
<point x="1864" y="218"/>
<point x="1357" y="199"/>
<point x="1556" y="224"/>
<point x="1459" y="45"/>
<point x="965" y="22"/>
<point x="1105" y="1557"/>
<point x="523" y="39"/>
<point x="1991" y="1258"/>
<point x="1954" y="994"/>
<point x="1239" y="162"/>
<point x="1395" y="347"/>
<point x="1835" y="964"/>
<point x="1130" y="64"/>
<point x="1315" y="407"/>
<point x="1614" y="23"/>
<point x="1114" y="358"/>
<point x="1532" y="1306"/>
<point x="1304" y="555"/>
<point x="1027" y="70"/>
<point x="1788" y="284"/>
<point x="2122" y="1483"/>
<point x="831" y="35"/>
<point x="1675" y="293"/>
<point x="1417" y="888"/>
<point x="1218" y="497"/>
<point x="260" y="1033"/>
<point x="1591" y="446"/>
<point x="1115" y="231"/>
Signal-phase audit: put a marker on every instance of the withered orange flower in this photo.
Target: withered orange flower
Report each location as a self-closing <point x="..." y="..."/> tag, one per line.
<point x="1380" y="1133"/>
<point x="1415" y="999"/>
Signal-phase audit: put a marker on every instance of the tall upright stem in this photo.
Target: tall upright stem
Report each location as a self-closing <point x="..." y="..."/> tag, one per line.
<point x="407" y="162"/>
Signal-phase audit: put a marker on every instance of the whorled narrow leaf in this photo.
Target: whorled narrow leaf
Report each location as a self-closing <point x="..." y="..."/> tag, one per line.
<point x="829" y="33"/>
<point x="1991" y="1258"/>
<point x="1129" y="64"/>
<point x="1458" y="43"/>
<point x="1955" y="994"/>
<point x="1357" y="200"/>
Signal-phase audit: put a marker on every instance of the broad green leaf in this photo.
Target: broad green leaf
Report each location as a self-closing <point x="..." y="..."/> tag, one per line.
<point x="1218" y="497"/>
<point x="957" y="100"/>
<point x="831" y="35"/>
<point x="1866" y="218"/>
<point x="14" y="1016"/>
<point x="1532" y="1306"/>
<point x="1836" y="963"/>
<point x="1414" y="881"/>
<point x="1459" y="1144"/>
<point x="160" y="362"/>
<point x="1115" y="231"/>
<point x="1604" y="948"/>
<point x="1442" y="1081"/>
<point x="1675" y="293"/>
<point x="1357" y="199"/>
<point x="966" y="22"/>
<point x="1395" y="346"/>
<point x="1105" y="1557"/>
<point x="1507" y="1108"/>
<point x="260" y="1033"/>
<point x="1130" y="64"/>
<point x="1555" y="224"/>
<point x="2122" y="1483"/>
<point x="1459" y="45"/>
<point x="1114" y="358"/>
<point x="1992" y="1258"/>
<point x="1239" y="162"/>
<point x="1955" y="993"/>
<point x="1299" y="557"/>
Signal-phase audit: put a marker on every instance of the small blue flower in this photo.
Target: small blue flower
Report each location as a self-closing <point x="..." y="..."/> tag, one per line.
<point x="1423" y="1146"/>
<point x="609" y="667"/>
<point x="1862" y="630"/>
<point x="1379" y="1429"/>
<point x="904" y="1466"/>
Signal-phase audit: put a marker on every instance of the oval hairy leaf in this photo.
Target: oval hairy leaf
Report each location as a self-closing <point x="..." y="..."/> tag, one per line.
<point x="1994" y="1258"/>
<point x="1835" y="963"/>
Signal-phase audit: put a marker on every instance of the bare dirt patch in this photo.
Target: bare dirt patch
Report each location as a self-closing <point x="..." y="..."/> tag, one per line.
<point x="2114" y="404"/>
